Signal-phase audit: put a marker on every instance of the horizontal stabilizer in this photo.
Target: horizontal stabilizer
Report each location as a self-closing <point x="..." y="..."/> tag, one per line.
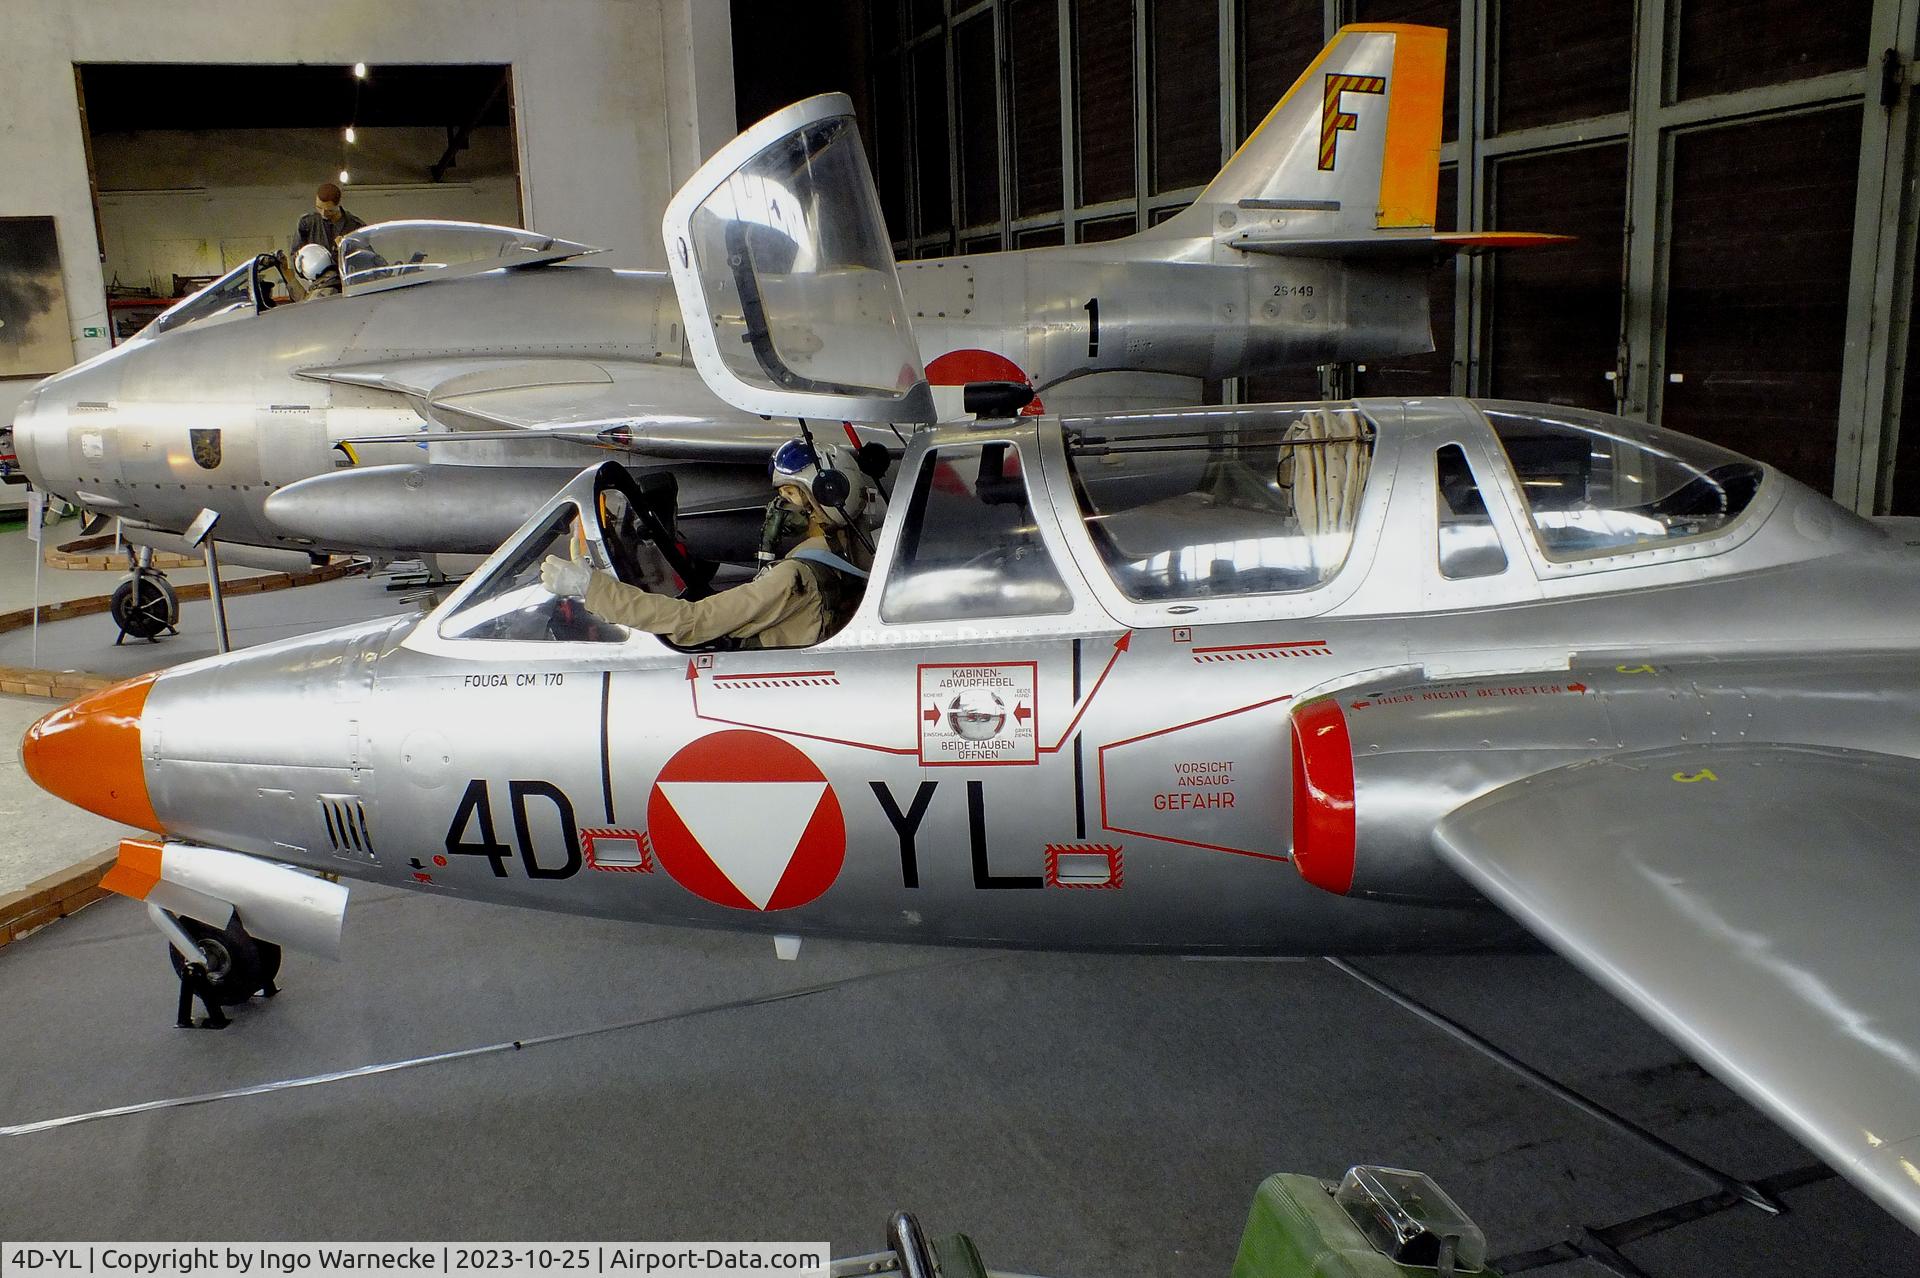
<point x="1387" y="244"/>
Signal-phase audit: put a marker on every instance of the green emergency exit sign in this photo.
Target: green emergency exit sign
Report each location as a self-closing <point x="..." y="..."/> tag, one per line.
<point x="92" y="331"/>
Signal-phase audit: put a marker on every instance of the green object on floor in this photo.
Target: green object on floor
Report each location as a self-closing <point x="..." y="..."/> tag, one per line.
<point x="955" y="1256"/>
<point x="1297" y="1230"/>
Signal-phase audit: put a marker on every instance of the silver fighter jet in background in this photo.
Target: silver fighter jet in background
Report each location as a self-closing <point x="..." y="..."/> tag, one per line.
<point x="468" y="371"/>
<point x="1385" y="675"/>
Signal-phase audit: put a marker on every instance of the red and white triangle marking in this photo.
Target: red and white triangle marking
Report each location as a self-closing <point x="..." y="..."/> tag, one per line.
<point x="752" y="843"/>
<point x="746" y="820"/>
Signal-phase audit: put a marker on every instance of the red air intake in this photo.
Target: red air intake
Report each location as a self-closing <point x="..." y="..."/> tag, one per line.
<point x="1323" y="796"/>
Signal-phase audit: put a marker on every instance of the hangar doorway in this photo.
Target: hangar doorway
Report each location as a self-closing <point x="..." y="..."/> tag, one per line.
<point x="197" y="168"/>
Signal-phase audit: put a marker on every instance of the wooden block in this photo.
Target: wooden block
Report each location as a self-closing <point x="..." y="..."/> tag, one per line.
<point x="38" y="919"/>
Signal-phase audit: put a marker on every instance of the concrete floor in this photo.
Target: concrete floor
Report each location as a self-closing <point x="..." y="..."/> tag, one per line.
<point x="86" y="643"/>
<point x="57" y="585"/>
<point x="39" y="834"/>
<point x="1082" y="1116"/>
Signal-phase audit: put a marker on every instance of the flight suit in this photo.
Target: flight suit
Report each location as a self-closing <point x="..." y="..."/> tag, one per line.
<point x="795" y="603"/>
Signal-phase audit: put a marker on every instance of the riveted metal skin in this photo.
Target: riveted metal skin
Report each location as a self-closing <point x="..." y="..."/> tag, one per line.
<point x="240" y="750"/>
<point x="1422" y="750"/>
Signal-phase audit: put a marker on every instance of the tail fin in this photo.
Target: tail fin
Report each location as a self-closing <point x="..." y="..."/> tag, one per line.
<point x="1351" y="149"/>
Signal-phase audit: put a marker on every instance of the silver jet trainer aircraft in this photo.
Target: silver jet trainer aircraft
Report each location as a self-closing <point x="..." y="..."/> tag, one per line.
<point x="1385" y="675"/>
<point x="498" y="354"/>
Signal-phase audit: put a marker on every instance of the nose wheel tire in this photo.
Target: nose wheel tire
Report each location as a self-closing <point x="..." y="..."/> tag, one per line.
<point x="144" y="606"/>
<point x="238" y="965"/>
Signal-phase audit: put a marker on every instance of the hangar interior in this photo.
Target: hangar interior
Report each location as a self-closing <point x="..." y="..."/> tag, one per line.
<point x="195" y="168"/>
<point x="1738" y="174"/>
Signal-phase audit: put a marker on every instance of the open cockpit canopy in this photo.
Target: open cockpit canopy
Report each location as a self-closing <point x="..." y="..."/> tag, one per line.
<point x="397" y="254"/>
<point x="784" y="269"/>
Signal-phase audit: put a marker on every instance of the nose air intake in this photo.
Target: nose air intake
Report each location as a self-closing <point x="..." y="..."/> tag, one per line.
<point x="1323" y="824"/>
<point x="88" y="753"/>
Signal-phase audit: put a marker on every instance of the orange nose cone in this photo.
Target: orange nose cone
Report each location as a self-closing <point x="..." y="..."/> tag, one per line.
<point x="88" y="753"/>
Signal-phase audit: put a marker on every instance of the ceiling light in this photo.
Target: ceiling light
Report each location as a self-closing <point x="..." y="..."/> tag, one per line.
<point x="359" y="70"/>
<point x="352" y="137"/>
<point x="343" y="177"/>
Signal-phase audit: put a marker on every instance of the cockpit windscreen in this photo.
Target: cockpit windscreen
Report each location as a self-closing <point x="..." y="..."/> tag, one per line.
<point x="511" y="603"/>
<point x="239" y="291"/>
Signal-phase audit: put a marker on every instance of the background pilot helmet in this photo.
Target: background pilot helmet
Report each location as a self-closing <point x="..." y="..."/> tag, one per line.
<point x="830" y="473"/>
<point x="312" y="262"/>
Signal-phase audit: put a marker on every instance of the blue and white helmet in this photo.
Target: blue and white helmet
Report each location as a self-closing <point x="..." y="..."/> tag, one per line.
<point x="831" y="477"/>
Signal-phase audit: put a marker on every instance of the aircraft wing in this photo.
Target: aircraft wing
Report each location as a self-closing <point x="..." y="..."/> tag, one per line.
<point x="659" y="409"/>
<point x="1759" y="904"/>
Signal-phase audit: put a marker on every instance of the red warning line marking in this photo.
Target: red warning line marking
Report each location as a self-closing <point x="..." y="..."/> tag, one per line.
<point x="693" y="685"/>
<point x="1265" y="651"/>
<point x="1120" y="645"/>
<point x="1107" y="824"/>
<point x="780" y="679"/>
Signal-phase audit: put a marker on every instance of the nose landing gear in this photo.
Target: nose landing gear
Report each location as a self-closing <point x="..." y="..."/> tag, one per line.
<point x="144" y="605"/>
<point x="221" y="967"/>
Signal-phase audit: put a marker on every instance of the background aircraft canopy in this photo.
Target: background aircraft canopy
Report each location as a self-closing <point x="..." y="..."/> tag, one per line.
<point x="395" y="254"/>
<point x="786" y="275"/>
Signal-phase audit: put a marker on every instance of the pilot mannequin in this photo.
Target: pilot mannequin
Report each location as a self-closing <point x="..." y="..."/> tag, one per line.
<point x="314" y="264"/>
<point x="795" y="601"/>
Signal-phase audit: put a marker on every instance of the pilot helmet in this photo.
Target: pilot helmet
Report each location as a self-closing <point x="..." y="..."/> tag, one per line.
<point x="312" y="262"/>
<point x="830" y="474"/>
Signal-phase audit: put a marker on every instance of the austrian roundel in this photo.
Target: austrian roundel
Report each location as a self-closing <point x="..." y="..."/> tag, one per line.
<point x="745" y="820"/>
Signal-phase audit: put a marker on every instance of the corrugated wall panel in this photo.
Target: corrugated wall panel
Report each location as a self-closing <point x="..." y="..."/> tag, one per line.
<point x="1554" y="62"/>
<point x="1184" y="58"/>
<point x="1554" y="329"/>
<point x="1277" y="41"/>
<point x="1033" y="46"/>
<point x="1738" y="44"/>
<point x="1762" y="235"/>
<point x="1103" y="89"/>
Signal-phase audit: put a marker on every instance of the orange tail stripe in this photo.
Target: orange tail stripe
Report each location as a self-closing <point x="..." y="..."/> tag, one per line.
<point x="1410" y="173"/>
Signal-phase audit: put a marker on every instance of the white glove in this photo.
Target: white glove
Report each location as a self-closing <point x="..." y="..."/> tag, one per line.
<point x="566" y="577"/>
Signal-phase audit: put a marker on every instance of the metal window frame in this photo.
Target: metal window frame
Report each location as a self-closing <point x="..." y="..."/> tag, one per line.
<point x="1880" y="289"/>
